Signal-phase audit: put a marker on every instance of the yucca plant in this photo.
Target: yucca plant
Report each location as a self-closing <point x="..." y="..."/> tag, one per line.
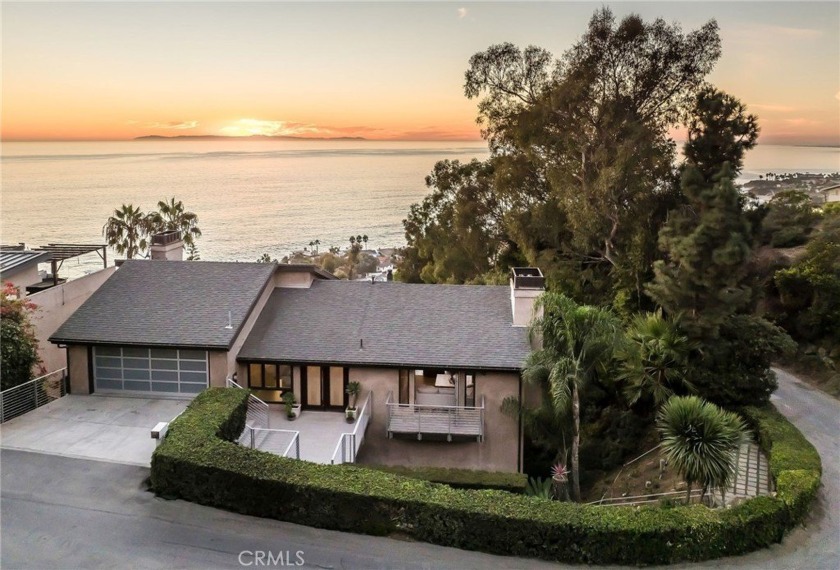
<point x="699" y="440"/>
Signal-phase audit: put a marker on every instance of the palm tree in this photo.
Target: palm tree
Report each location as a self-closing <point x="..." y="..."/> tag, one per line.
<point x="654" y="358"/>
<point x="577" y="345"/>
<point x="546" y="424"/>
<point x="365" y="239"/>
<point x="126" y="231"/>
<point x="700" y="439"/>
<point x="171" y="216"/>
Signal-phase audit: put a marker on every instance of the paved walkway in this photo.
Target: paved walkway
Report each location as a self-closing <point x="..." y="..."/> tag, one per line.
<point x="107" y="428"/>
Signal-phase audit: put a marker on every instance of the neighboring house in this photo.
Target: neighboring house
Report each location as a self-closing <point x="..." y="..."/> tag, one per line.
<point x="421" y="351"/>
<point x="19" y="266"/>
<point x="831" y="193"/>
<point x="55" y="298"/>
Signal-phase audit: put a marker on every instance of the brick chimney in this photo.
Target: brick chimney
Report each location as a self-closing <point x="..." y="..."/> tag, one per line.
<point x="526" y="284"/>
<point x="167" y="246"/>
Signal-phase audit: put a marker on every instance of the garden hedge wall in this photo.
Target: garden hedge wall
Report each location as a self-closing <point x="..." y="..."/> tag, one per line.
<point x="198" y="462"/>
<point x="460" y="478"/>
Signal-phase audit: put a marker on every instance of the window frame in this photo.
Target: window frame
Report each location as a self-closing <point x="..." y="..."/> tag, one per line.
<point x="277" y="377"/>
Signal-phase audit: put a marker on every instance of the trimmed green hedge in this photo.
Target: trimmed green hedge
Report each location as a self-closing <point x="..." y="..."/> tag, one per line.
<point x="198" y="461"/>
<point x="460" y="478"/>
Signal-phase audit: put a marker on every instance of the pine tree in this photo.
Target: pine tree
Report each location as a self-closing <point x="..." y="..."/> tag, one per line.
<point x="705" y="276"/>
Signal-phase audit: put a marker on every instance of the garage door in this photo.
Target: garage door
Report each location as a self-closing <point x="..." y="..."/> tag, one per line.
<point x="149" y="370"/>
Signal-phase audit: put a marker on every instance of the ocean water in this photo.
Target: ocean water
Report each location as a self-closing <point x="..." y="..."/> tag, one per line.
<point x="252" y="197"/>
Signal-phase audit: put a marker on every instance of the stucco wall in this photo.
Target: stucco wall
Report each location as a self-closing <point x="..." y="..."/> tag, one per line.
<point x="498" y="452"/>
<point x="299" y="279"/>
<point x="77" y="368"/>
<point x="55" y="305"/>
<point x="23" y="278"/>
<point x="217" y="367"/>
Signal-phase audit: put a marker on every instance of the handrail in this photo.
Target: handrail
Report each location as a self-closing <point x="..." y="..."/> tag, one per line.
<point x="256" y="406"/>
<point x="652" y="498"/>
<point x="47" y="375"/>
<point x="296" y="442"/>
<point x="231" y="383"/>
<point x="354" y="442"/>
<point x="23" y="398"/>
<point x="432" y="406"/>
<point x="434" y="419"/>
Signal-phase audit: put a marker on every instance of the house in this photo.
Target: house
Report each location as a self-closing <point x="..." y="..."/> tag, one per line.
<point x="436" y="360"/>
<point x="831" y="193"/>
<point x="19" y="266"/>
<point x="55" y="298"/>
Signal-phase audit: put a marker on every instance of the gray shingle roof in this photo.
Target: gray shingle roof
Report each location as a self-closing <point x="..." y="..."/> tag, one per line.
<point x="181" y="303"/>
<point x="441" y="326"/>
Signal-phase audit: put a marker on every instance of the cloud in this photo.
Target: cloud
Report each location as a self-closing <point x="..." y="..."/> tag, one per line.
<point x="772" y="108"/>
<point x="462" y="13"/>
<point x="800" y="122"/>
<point x="274" y="128"/>
<point x="176" y="125"/>
<point x="771" y="33"/>
<point x="837" y="95"/>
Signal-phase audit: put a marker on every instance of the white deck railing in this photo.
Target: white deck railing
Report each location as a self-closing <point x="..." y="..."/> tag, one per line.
<point x="349" y="443"/>
<point x="258" y="433"/>
<point x="283" y="442"/>
<point x="432" y="419"/>
<point x="258" y="415"/>
<point x="25" y="397"/>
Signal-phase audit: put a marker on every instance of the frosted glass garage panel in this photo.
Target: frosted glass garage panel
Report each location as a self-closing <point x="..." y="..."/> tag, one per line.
<point x="150" y="371"/>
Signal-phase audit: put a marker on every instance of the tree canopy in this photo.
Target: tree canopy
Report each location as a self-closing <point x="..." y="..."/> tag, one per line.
<point x="129" y="228"/>
<point x="581" y="173"/>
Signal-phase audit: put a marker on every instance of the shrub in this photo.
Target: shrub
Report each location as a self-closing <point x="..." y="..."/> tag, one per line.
<point x="198" y="462"/>
<point x="460" y="478"/>
<point x="789" y="237"/>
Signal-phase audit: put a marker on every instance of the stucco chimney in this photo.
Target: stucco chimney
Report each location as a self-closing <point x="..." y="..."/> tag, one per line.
<point x="526" y="284"/>
<point x="167" y="246"/>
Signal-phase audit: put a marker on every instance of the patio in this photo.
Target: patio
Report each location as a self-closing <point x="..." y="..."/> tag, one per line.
<point x="319" y="431"/>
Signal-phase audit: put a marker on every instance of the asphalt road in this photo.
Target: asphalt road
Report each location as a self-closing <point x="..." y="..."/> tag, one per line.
<point x="59" y="512"/>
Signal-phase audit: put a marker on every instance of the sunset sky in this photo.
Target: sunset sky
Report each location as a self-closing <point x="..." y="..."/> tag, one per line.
<point x="104" y="71"/>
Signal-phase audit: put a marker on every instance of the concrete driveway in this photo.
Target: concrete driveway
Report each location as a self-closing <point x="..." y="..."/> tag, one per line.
<point x="106" y="428"/>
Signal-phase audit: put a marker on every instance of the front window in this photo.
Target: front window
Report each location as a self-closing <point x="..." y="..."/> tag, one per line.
<point x="269" y="380"/>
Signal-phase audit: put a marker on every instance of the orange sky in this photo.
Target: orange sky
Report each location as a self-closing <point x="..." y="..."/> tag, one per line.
<point x="380" y="71"/>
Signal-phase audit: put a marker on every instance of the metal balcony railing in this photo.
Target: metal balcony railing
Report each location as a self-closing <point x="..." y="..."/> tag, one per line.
<point x="25" y="397"/>
<point x="431" y="419"/>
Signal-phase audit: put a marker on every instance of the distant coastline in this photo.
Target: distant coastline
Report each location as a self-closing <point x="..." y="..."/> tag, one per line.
<point x="246" y="138"/>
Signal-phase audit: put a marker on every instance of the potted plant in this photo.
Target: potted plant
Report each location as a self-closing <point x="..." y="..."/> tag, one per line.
<point x="292" y="406"/>
<point x="352" y="390"/>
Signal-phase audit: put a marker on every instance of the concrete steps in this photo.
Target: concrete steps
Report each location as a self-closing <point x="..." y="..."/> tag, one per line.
<point x="752" y="473"/>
